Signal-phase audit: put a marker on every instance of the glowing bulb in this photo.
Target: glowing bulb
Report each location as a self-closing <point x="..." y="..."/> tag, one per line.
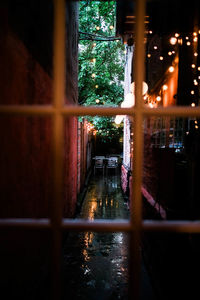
<point x="150" y="32"/>
<point x="199" y="31"/>
<point x="180" y="41"/>
<point x="171" y="69"/>
<point x="158" y="98"/>
<point x="187" y="38"/>
<point x="188" y="43"/>
<point x="96" y="86"/>
<point x="97" y="100"/>
<point x="198" y="77"/>
<point x="169" y="53"/>
<point x="97" y="28"/>
<point x="173" y="40"/>
<point x="93" y="75"/>
<point x="193" y="104"/>
<point x="195" y="39"/>
<point x="195" y="54"/>
<point x="196" y="126"/>
<point x="198" y="68"/>
<point x="148" y="55"/>
<point x="192" y="92"/>
<point x="155" y="47"/>
<point x="195" y="82"/>
<point x="195" y="121"/>
<point x="193" y="66"/>
<point x="194" y="33"/>
<point x="165" y="87"/>
<point x="94" y="45"/>
<point x="151" y="105"/>
<point x="161" y="58"/>
<point x="111" y="27"/>
<point x="176" y="35"/>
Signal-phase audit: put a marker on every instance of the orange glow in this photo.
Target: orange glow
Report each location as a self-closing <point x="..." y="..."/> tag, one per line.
<point x="173" y="40"/>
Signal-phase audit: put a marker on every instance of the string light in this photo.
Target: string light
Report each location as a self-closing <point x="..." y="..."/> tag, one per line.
<point x="94" y="45"/>
<point x="97" y="28"/>
<point x="194" y="33"/>
<point x="111" y="27"/>
<point x="171" y="69"/>
<point x="177" y="35"/>
<point x="180" y="41"/>
<point x="192" y="92"/>
<point x="195" y="54"/>
<point x="165" y="87"/>
<point x="93" y="75"/>
<point x="198" y="68"/>
<point x="148" y="55"/>
<point x="193" y="104"/>
<point x="155" y="47"/>
<point x="196" y="126"/>
<point x="187" y="38"/>
<point x="169" y="53"/>
<point x="173" y="40"/>
<point x="97" y="100"/>
<point x="161" y="57"/>
<point x="193" y="66"/>
<point x="188" y="43"/>
<point x="195" y="39"/>
<point x="96" y="86"/>
<point x="150" y="32"/>
<point x="158" y="98"/>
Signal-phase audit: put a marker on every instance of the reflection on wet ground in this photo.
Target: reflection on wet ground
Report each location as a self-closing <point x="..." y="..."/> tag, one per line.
<point x="96" y="264"/>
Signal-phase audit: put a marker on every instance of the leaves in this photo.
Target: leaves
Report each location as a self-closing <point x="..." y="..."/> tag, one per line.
<point x="101" y="63"/>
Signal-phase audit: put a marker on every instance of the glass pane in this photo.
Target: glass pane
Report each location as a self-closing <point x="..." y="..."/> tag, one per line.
<point x="25" y="166"/>
<point x="95" y="266"/>
<point x="172" y="53"/>
<point x="173" y="264"/>
<point x="25" y="264"/>
<point x="101" y="55"/>
<point x="26" y="52"/>
<point x="171" y="168"/>
<point x="93" y="168"/>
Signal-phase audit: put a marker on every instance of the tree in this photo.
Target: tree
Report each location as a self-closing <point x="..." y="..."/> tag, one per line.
<point x="101" y="62"/>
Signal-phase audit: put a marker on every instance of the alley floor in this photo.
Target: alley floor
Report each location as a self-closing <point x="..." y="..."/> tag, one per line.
<point x="96" y="264"/>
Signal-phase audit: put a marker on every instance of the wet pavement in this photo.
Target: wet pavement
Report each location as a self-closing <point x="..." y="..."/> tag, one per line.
<point x="96" y="264"/>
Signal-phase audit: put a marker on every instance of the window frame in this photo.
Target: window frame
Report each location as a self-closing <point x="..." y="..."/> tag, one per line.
<point x="58" y="111"/>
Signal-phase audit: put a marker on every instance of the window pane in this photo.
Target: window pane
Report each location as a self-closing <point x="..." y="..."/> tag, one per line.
<point x="26" y="52"/>
<point x="25" y="264"/>
<point x="172" y="53"/>
<point x="170" y="172"/>
<point x="173" y="264"/>
<point x="25" y="166"/>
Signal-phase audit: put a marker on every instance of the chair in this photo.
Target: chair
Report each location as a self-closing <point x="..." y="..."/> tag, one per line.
<point x="112" y="163"/>
<point x="99" y="164"/>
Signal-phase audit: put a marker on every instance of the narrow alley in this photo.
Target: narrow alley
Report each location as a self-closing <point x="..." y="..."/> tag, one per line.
<point x="96" y="264"/>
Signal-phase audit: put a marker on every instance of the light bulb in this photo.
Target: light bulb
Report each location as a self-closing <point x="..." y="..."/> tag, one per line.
<point x="173" y="40"/>
<point x="165" y="87"/>
<point x="188" y="43"/>
<point x="150" y="32"/>
<point x="193" y="66"/>
<point x="193" y="104"/>
<point x="171" y="69"/>
<point x="195" y="54"/>
<point x="97" y="28"/>
<point x="155" y="47"/>
<point x="194" y="33"/>
<point x="192" y="92"/>
<point x="195" y="39"/>
<point x="198" y="68"/>
<point x="176" y="35"/>
<point x="148" y="55"/>
<point x="97" y="100"/>
<point x="93" y="75"/>
<point x="161" y="58"/>
<point x="96" y="86"/>
<point x="158" y="98"/>
<point x="169" y="53"/>
<point x="111" y="27"/>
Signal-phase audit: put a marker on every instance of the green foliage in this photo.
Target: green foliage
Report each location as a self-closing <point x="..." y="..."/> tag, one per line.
<point x="105" y="59"/>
